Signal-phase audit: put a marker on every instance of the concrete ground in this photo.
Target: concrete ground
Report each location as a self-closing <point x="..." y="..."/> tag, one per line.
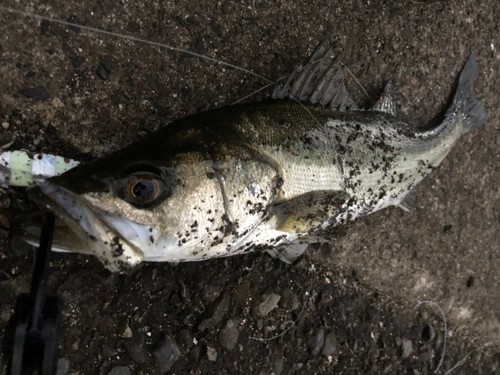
<point x="82" y="94"/>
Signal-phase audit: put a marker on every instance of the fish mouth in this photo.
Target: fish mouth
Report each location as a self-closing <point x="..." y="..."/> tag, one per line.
<point x="88" y="230"/>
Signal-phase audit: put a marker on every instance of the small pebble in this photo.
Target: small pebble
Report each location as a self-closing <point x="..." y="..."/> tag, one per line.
<point x="329" y="345"/>
<point x="425" y="357"/>
<point x="316" y="342"/>
<point x="166" y="353"/>
<point x="186" y="338"/>
<point x="108" y="351"/>
<point x="339" y="311"/>
<point x="220" y="312"/>
<point x="5" y="125"/>
<point x="278" y="365"/>
<point x="119" y="370"/>
<point x="228" y="336"/>
<point x="374" y="350"/>
<point x="136" y="347"/>
<point x="211" y="293"/>
<point x="289" y="300"/>
<point x="195" y="353"/>
<point x="407" y="347"/>
<point x="127" y="333"/>
<point x="105" y="67"/>
<point x="269" y="303"/>
<point x="211" y="354"/>
<point x="62" y="366"/>
<point x="39" y="93"/>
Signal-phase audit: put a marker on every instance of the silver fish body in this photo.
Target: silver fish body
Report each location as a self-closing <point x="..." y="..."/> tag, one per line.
<point x="269" y="175"/>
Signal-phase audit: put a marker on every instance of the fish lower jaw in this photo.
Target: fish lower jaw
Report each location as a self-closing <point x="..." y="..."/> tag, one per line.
<point x="116" y="254"/>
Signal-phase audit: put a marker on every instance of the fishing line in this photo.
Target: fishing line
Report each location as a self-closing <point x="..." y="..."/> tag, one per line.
<point x="132" y="38"/>
<point x="256" y="91"/>
<point x="355" y="79"/>
<point x="164" y="46"/>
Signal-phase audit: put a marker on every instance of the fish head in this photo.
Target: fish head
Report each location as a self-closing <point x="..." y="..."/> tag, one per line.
<point x="142" y="204"/>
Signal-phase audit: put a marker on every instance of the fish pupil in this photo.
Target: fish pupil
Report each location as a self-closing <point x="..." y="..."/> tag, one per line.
<point x="143" y="190"/>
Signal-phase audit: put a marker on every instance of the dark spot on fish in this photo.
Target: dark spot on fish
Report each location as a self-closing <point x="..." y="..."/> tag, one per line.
<point x="216" y="241"/>
<point x="117" y="247"/>
<point x="279" y="182"/>
<point x="352" y="137"/>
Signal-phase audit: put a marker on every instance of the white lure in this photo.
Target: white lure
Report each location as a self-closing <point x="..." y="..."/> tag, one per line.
<point x="25" y="169"/>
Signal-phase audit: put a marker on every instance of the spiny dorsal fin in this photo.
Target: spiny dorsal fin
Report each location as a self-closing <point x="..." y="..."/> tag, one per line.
<point x="386" y="103"/>
<point x="320" y="80"/>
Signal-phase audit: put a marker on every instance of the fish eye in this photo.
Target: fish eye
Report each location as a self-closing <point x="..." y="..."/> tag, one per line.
<point x="142" y="189"/>
<point x="145" y="190"/>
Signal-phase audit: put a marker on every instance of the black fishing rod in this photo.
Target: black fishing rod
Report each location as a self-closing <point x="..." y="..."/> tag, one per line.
<point x="36" y="321"/>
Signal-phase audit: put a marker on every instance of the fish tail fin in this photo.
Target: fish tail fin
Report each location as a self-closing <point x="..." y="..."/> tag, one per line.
<point x="465" y="103"/>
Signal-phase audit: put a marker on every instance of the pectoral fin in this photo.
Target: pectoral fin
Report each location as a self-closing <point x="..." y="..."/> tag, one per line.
<point x="307" y="212"/>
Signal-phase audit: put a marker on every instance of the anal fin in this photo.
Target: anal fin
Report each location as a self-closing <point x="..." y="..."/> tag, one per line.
<point x="408" y="203"/>
<point x="289" y="252"/>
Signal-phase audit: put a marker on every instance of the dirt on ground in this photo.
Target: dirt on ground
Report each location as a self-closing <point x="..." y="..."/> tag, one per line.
<point x="352" y="307"/>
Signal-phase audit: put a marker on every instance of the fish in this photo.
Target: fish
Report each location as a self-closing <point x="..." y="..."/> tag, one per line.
<point x="270" y="176"/>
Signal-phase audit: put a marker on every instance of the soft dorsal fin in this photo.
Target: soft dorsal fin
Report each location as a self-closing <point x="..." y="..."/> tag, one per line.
<point x="320" y="80"/>
<point x="386" y="103"/>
